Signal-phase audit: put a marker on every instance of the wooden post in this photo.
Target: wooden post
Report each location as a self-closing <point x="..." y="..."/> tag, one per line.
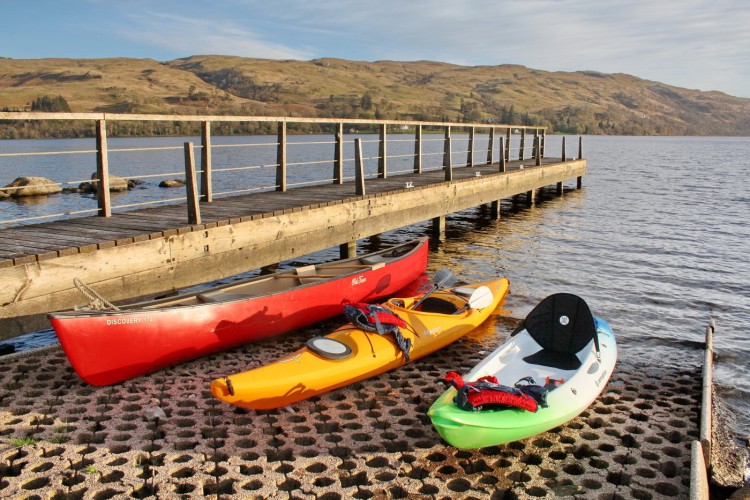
<point x="348" y="250"/>
<point x="495" y="210"/>
<point x="530" y="197"/>
<point x="281" y="158"/>
<point x="523" y="144"/>
<point x="535" y="144"/>
<point x="507" y="144"/>
<point x="538" y="149"/>
<point x="491" y="147"/>
<point x="418" y="150"/>
<point x="706" y="414"/>
<point x="563" y="154"/>
<point x="579" y="181"/>
<point x="447" y="160"/>
<point x="194" y="211"/>
<point x="338" y="156"/>
<point x="470" y="154"/>
<point x="383" y="152"/>
<point x="438" y="227"/>
<point x="206" y="183"/>
<point x="543" y="143"/>
<point x="102" y="170"/>
<point x="503" y="147"/>
<point x="560" y="188"/>
<point x="359" y="168"/>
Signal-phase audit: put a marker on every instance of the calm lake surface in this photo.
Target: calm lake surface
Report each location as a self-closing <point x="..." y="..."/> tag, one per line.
<point x="656" y="242"/>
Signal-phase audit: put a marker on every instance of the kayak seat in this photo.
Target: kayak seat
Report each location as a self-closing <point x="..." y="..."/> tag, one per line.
<point x="562" y="324"/>
<point x="438" y="305"/>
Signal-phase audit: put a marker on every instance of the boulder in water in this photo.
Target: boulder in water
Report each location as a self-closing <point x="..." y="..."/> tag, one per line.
<point x="116" y="184"/>
<point x="32" y="186"/>
<point x="171" y="183"/>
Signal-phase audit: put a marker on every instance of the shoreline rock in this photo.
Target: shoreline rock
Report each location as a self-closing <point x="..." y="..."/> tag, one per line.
<point x="31" y="186"/>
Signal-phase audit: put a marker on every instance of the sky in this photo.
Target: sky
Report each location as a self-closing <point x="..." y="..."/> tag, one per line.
<point x="694" y="44"/>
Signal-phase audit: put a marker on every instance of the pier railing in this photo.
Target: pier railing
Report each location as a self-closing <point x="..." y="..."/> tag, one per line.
<point x="277" y="161"/>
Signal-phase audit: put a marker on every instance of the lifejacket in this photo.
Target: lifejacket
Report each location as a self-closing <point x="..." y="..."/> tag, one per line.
<point x="375" y="318"/>
<point x="487" y="394"/>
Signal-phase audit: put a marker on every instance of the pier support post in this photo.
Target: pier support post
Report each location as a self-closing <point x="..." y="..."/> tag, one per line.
<point x="207" y="195"/>
<point x="382" y="161"/>
<point x="348" y="250"/>
<point x="495" y="208"/>
<point x="447" y="155"/>
<point x="281" y="158"/>
<point x="560" y="188"/>
<point x="470" y="154"/>
<point x="562" y="155"/>
<point x="359" y="172"/>
<point x="102" y="170"/>
<point x="530" y="197"/>
<point x="193" y="208"/>
<point x="338" y="155"/>
<point x="418" y="149"/>
<point x="502" y="154"/>
<point x="438" y="228"/>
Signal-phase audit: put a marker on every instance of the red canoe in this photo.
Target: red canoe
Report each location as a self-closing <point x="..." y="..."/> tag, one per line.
<point x="106" y="347"/>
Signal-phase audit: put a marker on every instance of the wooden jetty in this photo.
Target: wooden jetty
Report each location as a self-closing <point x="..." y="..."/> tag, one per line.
<point x="143" y="252"/>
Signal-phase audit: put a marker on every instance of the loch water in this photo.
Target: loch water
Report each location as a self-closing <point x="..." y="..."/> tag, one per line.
<point x="656" y="242"/>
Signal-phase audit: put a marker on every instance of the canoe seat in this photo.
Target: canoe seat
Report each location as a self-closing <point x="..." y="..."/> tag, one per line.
<point x="306" y="274"/>
<point x="562" y="324"/>
<point x="374" y="259"/>
<point x="213" y="297"/>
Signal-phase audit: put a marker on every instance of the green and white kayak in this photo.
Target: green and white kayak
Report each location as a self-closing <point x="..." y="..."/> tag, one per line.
<point x="561" y="346"/>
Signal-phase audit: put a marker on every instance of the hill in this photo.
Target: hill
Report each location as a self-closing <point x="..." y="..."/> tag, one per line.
<point x="570" y="102"/>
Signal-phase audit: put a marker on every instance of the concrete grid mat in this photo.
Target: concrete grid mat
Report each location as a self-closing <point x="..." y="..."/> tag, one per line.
<point x="61" y="438"/>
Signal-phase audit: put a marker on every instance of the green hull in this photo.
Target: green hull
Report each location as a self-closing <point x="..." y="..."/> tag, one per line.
<point x="479" y="429"/>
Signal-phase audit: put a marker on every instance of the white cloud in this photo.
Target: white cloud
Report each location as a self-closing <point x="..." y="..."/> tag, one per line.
<point x="187" y="36"/>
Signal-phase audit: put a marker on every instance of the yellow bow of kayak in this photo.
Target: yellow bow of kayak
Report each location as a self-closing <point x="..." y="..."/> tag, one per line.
<point x="305" y="373"/>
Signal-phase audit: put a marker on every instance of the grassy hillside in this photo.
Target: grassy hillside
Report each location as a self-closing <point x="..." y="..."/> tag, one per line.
<point x="579" y="102"/>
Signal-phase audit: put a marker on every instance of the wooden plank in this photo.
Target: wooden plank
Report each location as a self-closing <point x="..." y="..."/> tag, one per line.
<point x="27" y="247"/>
<point x="85" y="228"/>
<point x="31" y="233"/>
<point x="63" y="245"/>
<point x="24" y="259"/>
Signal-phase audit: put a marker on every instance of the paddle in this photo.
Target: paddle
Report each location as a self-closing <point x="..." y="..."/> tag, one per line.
<point x="479" y="299"/>
<point x="443" y="278"/>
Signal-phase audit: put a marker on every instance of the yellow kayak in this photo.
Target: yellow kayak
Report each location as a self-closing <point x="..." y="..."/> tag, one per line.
<point x="353" y="353"/>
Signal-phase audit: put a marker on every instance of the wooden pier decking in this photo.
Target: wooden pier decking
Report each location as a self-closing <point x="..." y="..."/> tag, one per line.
<point x="156" y="250"/>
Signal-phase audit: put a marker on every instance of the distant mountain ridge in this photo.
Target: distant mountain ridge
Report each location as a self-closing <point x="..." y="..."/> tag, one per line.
<point x="584" y="102"/>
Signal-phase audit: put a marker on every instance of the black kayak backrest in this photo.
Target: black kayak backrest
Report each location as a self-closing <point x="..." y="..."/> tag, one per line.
<point x="561" y="324"/>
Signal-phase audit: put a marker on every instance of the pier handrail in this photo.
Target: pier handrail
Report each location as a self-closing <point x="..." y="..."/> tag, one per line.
<point x="204" y="170"/>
